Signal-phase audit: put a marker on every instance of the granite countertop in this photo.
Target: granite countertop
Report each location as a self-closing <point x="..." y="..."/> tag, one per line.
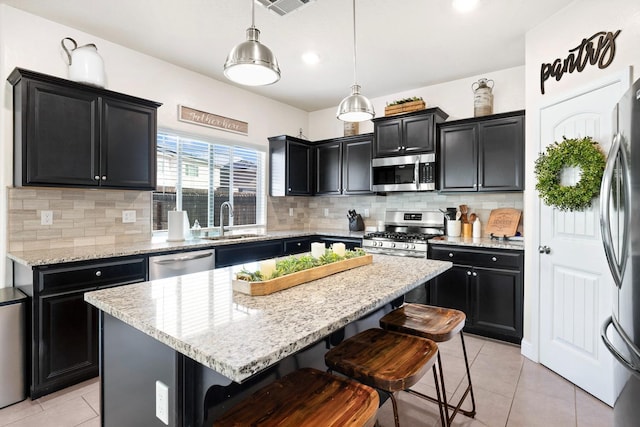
<point x="480" y="242"/>
<point x="238" y="335"/>
<point x="157" y="244"/>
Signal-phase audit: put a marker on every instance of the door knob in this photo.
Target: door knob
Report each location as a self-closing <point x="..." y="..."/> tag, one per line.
<point x="544" y="249"/>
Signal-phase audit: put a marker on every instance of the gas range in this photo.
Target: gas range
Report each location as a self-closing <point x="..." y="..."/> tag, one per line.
<point x="406" y="233"/>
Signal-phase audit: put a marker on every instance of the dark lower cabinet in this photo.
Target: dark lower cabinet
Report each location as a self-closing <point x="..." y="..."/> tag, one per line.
<point x="296" y="245"/>
<point x="487" y="285"/>
<point x="63" y="327"/>
<point x="227" y="255"/>
<point x="350" y="243"/>
<point x="68" y="338"/>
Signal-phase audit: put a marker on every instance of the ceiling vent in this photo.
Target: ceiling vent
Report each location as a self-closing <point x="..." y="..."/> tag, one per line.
<point x="282" y="7"/>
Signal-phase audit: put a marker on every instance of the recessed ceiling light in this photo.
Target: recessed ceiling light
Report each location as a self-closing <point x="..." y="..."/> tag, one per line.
<point x="310" y="58"/>
<point x="465" y="5"/>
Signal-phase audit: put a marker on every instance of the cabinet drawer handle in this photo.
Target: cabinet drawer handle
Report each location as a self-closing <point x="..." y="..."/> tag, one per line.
<point x="299" y="244"/>
<point x="98" y="273"/>
<point x="450" y="254"/>
<point x="494" y="259"/>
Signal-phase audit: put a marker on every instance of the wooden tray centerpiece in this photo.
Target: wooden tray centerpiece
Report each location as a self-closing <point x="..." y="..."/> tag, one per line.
<point x="293" y="271"/>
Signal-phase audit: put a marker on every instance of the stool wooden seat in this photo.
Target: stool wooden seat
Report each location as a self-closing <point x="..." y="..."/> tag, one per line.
<point x="388" y="361"/>
<point x="306" y="397"/>
<point x="438" y="324"/>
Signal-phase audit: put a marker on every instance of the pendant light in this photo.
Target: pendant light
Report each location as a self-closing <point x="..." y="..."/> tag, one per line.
<point x="355" y="107"/>
<point x="251" y="63"/>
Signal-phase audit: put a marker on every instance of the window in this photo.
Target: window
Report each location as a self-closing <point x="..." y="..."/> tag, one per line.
<point x="197" y="176"/>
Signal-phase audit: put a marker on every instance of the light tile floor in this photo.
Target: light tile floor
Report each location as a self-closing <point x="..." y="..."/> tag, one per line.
<point x="510" y="391"/>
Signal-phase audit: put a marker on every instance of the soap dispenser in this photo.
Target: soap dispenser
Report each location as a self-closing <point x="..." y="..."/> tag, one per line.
<point x="195" y="230"/>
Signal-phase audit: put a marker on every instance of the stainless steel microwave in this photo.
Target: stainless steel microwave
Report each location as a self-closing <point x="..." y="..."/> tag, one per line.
<point x="405" y="173"/>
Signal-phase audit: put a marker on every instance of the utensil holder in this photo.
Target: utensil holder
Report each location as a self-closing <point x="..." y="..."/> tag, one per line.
<point x="453" y="228"/>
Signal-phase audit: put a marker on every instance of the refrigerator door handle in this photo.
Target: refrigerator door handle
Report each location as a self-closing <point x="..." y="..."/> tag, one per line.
<point x="617" y="157"/>
<point x="614" y="351"/>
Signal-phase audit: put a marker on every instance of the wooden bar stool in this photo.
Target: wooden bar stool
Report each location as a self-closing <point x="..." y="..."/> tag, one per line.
<point x="306" y="397"/>
<point x="440" y="325"/>
<point x="388" y="361"/>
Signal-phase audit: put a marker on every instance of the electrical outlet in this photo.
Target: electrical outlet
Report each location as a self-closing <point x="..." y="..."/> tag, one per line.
<point x="128" y="216"/>
<point x="366" y="213"/>
<point x="290" y="211"/>
<point x="326" y="211"/>
<point x="162" y="402"/>
<point x="46" y="217"/>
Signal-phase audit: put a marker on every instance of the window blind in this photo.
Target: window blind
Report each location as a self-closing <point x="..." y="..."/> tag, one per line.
<point x="198" y="176"/>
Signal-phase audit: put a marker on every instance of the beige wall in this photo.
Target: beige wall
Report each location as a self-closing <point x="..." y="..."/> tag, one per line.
<point x="454" y="97"/>
<point x="31" y="42"/>
<point x="545" y="43"/>
<point x="147" y="77"/>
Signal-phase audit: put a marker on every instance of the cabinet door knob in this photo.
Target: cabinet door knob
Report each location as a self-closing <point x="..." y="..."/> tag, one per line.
<point x="98" y="273"/>
<point x="468" y="273"/>
<point x="104" y="177"/>
<point x="289" y="189"/>
<point x="474" y="274"/>
<point x="450" y="254"/>
<point x="494" y="259"/>
<point x="97" y="177"/>
<point x="299" y="244"/>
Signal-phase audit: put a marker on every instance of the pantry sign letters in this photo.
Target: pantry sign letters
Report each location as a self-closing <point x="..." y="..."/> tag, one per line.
<point x="191" y="115"/>
<point x="598" y="49"/>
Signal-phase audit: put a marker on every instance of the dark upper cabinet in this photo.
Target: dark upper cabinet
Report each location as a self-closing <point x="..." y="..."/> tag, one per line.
<point x="71" y="134"/>
<point x="128" y="162"/>
<point x="482" y="154"/>
<point x="329" y="168"/>
<point x="406" y="133"/>
<point x="343" y="165"/>
<point x="291" y="166"/>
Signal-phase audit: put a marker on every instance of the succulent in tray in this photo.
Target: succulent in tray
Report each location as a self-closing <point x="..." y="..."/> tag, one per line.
<point x="294" y="264"/>
<point x="404" y="101"/>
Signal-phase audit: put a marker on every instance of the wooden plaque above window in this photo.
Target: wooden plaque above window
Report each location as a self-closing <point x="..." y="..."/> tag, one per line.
<point x="191" y="115"/>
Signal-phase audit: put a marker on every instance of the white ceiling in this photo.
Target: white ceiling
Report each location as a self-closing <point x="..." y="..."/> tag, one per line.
<point x="402" y="44"/>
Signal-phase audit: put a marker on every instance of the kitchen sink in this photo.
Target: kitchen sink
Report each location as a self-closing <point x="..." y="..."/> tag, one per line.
<point x="232" y="236"/>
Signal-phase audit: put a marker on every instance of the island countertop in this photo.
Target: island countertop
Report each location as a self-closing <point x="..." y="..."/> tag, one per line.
<point x="238" y="335"/>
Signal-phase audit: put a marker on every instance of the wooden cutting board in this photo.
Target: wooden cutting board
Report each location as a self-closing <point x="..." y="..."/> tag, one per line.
<point x="503" y="222"/>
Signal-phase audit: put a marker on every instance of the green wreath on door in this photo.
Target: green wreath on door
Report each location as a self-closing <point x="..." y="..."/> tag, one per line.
<point x="582" y="153"/>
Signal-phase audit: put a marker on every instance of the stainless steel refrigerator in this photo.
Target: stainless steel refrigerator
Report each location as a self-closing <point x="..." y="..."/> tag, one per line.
<point x="620" y="225"/>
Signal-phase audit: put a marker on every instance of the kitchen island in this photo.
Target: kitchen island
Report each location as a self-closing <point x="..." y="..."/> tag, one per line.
<point x="211" y="345"/>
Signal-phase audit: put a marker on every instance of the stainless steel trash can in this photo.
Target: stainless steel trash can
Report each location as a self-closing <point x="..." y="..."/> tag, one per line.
<point x="12" y="346"/>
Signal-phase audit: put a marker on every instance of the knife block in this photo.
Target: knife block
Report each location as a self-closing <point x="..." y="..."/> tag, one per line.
<point x="356" y="224"/>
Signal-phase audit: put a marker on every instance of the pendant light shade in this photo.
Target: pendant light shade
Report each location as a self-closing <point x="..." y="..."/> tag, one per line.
<point x="251" y="63"/>
<point x="355" y="107"/>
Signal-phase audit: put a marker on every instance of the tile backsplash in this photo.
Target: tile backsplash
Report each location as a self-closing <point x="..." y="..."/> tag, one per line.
<point x="80" y="217"/>
<point x="94" y="217"/>
<point x="331" y="212"/>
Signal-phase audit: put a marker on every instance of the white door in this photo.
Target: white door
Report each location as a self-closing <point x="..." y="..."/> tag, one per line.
<point x="576" y="287"/>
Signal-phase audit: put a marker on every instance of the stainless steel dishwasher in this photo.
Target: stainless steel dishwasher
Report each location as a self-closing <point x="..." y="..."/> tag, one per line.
<point x="177" y="264"/>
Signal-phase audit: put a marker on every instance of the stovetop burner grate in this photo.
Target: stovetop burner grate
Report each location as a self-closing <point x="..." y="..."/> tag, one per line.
<point x="400" y="236"/>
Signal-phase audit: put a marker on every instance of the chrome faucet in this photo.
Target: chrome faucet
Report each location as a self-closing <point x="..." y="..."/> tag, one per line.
<point x="227" y="204"/>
